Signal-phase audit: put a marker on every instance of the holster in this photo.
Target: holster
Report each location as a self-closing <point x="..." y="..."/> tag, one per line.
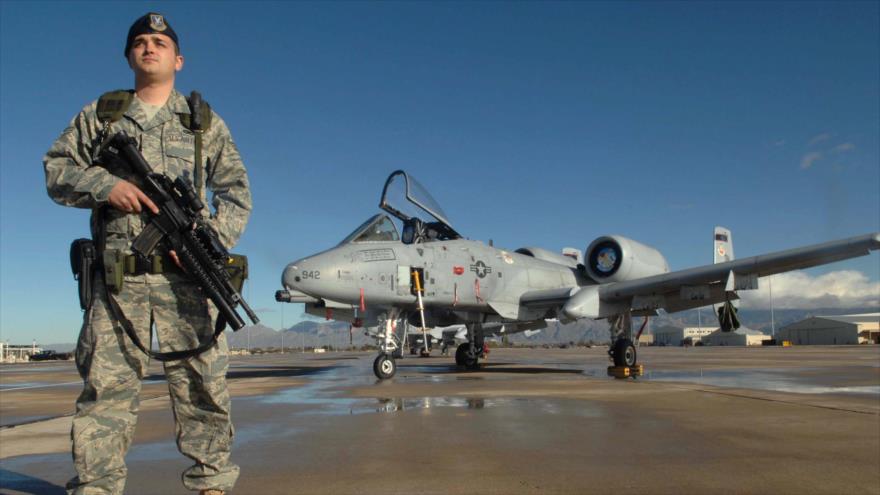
<point x="82" y="263"/>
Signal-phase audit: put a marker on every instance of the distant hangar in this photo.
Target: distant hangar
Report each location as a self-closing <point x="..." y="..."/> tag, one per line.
<point x="740" y="336"/>
<point x="672" y="335"/>
<point x="833" y="330"/>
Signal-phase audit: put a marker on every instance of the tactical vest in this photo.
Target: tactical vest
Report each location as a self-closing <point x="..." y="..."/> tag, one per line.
<point x="112" y="105"/>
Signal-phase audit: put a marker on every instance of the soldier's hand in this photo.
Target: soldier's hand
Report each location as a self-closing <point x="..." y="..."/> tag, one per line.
<point x="127" y="197"/>
<point x="174" y="257"/>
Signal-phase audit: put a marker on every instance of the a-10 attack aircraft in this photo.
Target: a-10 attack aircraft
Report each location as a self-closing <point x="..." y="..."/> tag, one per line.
<point x="429" y="276"/>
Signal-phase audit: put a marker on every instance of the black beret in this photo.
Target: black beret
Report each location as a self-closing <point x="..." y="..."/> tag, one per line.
<point x="147" y="24"/>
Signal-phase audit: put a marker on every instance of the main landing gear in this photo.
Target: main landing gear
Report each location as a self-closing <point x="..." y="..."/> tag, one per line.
<point x="468" y="354"/>
<point x="624" y="353"/>
<point x="622" y="349"/>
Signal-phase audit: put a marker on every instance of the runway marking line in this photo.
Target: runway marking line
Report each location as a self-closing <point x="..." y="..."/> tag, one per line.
<point x="766" y="399"/>
<point x="145" y="382"/>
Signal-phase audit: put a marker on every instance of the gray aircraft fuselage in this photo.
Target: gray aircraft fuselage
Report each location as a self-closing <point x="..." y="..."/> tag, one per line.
<point x="459" y="277"/>
<point x="377" y="274"/>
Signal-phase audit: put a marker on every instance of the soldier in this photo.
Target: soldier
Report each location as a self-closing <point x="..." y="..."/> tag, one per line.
<point x="156" y="293"/>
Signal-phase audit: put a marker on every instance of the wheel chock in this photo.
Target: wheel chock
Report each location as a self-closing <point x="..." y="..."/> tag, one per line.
<point x="618" y="371"/>
<point x="626" y="371"/>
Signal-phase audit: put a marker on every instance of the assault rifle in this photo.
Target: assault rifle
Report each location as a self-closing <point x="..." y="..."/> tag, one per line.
<point x="178" y="222"/>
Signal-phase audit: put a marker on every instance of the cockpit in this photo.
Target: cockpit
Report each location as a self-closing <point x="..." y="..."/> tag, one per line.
<point x="377" y="228"/>
<point x="422" y="218"/>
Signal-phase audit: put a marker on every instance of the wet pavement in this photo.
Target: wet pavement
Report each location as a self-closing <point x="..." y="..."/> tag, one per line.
<point x="701" y="420"/>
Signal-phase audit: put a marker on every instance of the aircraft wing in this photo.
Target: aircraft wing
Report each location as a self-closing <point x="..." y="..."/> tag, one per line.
<point x="695" y="287"/>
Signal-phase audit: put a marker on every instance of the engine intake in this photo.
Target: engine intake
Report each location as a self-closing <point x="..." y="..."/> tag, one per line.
<point x="617" y="259"/>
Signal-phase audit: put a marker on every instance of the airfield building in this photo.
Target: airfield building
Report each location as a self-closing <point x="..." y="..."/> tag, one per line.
<point x="742" y="337"/>
<point x="671" y="335"/>
<point x="833" y="330"/>
<point x="17" y="353"/>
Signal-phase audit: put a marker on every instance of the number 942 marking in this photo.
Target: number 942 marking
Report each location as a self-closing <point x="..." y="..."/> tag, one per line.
<point x="313" y="274"/>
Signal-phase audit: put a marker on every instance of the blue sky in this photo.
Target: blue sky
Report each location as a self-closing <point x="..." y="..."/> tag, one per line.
<point x="542" y="124"/>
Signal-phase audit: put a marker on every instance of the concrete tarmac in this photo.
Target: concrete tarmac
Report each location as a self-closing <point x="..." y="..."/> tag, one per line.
<point x="702" y="420"/>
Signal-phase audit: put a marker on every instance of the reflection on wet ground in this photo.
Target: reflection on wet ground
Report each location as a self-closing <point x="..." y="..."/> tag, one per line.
<point x="793" y="380"/>
<point x="326" y="425"/>
<point x="325" y="395"/>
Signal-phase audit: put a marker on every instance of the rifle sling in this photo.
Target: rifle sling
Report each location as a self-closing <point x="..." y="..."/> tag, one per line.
<point x="119" y="315"/>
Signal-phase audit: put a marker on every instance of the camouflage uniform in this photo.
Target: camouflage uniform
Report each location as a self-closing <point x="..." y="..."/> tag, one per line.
<point x="111" y="366"/>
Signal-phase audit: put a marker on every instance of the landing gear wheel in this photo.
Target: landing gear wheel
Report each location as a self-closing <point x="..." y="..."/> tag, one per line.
<point x="461" y="353"/>
<point x="463" y="357"/>
<point x="384" y="366"/>
<point x="624" y="353"/>
<point x="425" y="353"/>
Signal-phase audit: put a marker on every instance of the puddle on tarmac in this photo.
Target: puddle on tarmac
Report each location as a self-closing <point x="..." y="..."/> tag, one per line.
<point x="775" y="380"/>
<point x="319" y="400"/>
<point x="396" y="404"/>
<point x="320" y="396"/>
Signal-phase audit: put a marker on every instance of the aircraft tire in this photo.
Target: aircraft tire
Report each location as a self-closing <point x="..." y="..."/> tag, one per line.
<point x="624" y="353"/>
<point x="463" y="359"/>
<point x="461" y="354"/>
<point x="384" y="367"/>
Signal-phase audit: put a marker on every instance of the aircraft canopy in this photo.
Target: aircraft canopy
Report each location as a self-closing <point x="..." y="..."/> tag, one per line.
<point x="377" y="228"/>
<point x="405" y="198"/>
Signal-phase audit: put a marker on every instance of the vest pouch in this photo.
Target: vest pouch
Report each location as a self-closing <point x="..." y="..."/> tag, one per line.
<point x="82" y="263"/>
<point x="114" y="270"/>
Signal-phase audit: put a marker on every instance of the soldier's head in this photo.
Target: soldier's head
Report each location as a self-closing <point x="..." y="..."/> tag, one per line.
<point x="152" y="48"/>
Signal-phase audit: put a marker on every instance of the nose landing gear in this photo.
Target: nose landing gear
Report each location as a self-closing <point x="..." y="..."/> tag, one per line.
<point x="384" y="366"/>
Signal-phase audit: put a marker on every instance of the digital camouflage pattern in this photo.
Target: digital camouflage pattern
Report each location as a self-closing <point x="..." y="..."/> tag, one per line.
<point x="168" y="146"/>
<point x="111" y="366"/>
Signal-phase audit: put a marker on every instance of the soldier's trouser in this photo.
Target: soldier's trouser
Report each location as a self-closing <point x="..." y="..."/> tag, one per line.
<point x="112" y="369"/>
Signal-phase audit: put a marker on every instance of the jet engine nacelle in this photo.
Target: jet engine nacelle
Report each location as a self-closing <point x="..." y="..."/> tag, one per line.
<point x="616" y="258"/>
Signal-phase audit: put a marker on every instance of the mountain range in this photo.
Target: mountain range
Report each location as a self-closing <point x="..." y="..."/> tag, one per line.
<point x="310" y="333"/>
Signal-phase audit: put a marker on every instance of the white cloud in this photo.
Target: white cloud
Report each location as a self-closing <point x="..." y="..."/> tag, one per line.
<point x="798" y="290"/>
<point x="810" y="158"/>
<point x="819" y="138"/>
<point x="843" y="148"/>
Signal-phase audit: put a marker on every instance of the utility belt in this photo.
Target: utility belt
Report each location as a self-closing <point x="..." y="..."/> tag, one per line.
<point x="116" y="264"/>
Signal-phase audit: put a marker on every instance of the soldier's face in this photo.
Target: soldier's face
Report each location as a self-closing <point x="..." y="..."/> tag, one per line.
<point x="154" y="56"/>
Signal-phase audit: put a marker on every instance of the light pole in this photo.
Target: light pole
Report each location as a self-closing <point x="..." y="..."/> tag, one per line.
<point x="772" y="319"/>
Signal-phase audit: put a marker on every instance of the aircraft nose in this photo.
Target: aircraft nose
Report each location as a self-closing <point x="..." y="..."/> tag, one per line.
<point x="290" y="278"/>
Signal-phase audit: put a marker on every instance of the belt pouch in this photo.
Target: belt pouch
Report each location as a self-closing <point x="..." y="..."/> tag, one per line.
<point x="113" y="269"/>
